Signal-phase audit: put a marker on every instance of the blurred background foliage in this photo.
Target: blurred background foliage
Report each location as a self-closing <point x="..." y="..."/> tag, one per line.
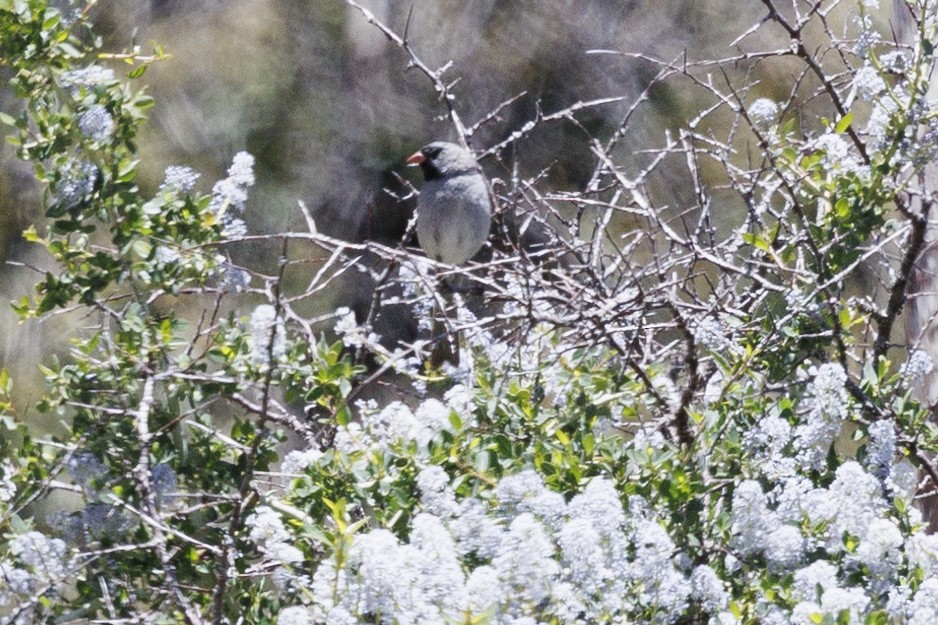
<point x="326" y="105"/>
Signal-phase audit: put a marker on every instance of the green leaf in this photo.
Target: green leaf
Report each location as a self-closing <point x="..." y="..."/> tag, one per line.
<point x="21" y="307"/>
<point x="844" y="123"/>
<point x="142" y="248"/>
<point x="31" y="235"/>
<point x="589" y="443"/>
<point x="842" y="208"/>
<point x="52" y="19"/>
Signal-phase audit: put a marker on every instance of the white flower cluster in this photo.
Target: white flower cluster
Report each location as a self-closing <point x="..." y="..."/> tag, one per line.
<point x="780" y="449"/>
<point x="96" y="123"/>
<point x="394" y="424"/>
<point x="768" y="442"/>
<point x="869" y="84"/>
<point x="297" y="461"/>
<point x="828" y="405"/>
<point x="837" y="153"/>
<point x="36" y="566"/>
<point x="232" y="192"/>
<point x="7" y="486"/>
<point x="77" y="182"/>
<point x="85" y="469"/>
<point x="268" y="335"/>
<point x="763" y="113"/>
<point x="179" y="179"/>
<point x="897" y="61"/>
<point x="271" y="536"/>
<point x="848" y="521"/>
<point x="353" y="334"/>
<point x="90" y="76"/>
<point x="919" y="364"/>
<point x="881" y="450"/>
<point x="896" y="105"/>
<point x="867" y="37"/>
<point x="713" y="334"/>
<point x="529" y="558"/>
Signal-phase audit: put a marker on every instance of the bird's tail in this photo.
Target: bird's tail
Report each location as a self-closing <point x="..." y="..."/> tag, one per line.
<point x="445" y="344"/>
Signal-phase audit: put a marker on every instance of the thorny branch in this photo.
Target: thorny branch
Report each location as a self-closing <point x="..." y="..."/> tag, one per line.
<point x="674" y="282"/>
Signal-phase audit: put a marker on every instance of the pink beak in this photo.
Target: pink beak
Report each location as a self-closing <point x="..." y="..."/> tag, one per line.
<point x="415" y="159"/>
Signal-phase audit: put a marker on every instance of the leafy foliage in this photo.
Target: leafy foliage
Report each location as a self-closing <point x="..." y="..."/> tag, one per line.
<point x="678" y="423"/>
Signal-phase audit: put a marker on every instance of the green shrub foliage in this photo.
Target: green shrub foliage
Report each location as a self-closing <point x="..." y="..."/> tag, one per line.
<point x="662" y="413"/>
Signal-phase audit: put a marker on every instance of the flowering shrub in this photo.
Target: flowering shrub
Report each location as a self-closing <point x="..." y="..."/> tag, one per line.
<point x="668" y="414"/>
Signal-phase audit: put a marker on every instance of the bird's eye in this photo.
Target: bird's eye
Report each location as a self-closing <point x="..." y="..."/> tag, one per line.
<point x="432" y="152"/>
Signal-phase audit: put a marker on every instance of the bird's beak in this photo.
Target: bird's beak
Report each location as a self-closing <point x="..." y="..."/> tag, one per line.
<point x="415" y="159"/>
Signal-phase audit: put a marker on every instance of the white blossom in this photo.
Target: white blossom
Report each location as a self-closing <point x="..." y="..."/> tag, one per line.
<point x="297" y="461"/>
<point x="339" y="615"/>
<point x="86" y="469"/>
<point x="814" y="579"/>
<point x="827" y="400"/>
<point x="712" y="334"/>
<point x="763" y="112"/>
<point x="268" y="335"/>
<point x="661" y="584"/>
<point x="752" y="519"/>
<point x="919" y="364"/>
<point x="525" y="561"/>
<point x="836" y="152"/>
<point x="96" y="123"/>
<point x="513" y="490"/>
<point x="897" y="61"/>
<point x="881" y="450"/>
<point x="868" y="82"/>
<point x="921" y="550"/>
<point x="484" y="591"/>
<point x="784" y="547"/>
<point x="45" y="556"/>
<point x="7" y="487"/>
<point x="855" y="497"/>
<point x="923" y="608"/>
<point x="476" y="532"/>
<point x="804" y="613"/>
<point x="233" y="190"/>
<point x="76" y="183"/>
<point x="295" y="615"/>
<point x="270" y="535"/>
<point x="435" y="493"/>
<point x="852" y="600"/>
<point x="903" y="480"/>
<point x="179" y="179"/>
<point x="436" y="559"/>
<point x="767" y="441"/>
<point x="90" y="76"/>
<point x="709" y="589"/>
<point x="878" y="550"/>
<point x="599" y="503"/>
<point x="346" y="326"/>
<point x="435" y="415"/>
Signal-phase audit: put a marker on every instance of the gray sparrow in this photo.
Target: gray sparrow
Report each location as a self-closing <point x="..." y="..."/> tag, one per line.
<point x="454" y="211"/>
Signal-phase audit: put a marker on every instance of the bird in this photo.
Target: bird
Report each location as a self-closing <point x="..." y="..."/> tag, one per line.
<point x="454" y="210"/>
<point x="454" y="216"/>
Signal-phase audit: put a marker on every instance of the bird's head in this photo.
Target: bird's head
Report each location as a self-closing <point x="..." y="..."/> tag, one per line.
<point x="441" y="158"/>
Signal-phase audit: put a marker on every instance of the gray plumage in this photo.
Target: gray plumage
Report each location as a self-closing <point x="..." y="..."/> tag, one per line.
<point x="454" y="211"/>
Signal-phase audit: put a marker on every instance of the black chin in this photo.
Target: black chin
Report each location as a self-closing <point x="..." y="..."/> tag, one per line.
<point x="430" y="171"/>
